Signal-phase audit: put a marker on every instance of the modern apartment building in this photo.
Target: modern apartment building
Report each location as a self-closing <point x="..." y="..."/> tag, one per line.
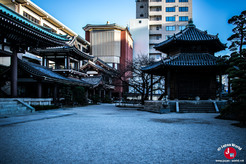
<point x="165" y="17"/>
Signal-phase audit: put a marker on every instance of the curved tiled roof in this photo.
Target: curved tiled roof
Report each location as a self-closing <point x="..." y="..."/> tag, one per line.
<point x="105" y="64"/>
<point x="184" y="60"/>
<point x="153" y="66"/>
<point x="93" y="80"/>
<point x="66" y="49"/>
<point x="46" y="73"/>
<point x="191" y="59"/>
<point x="191" y="34"/>
<point x="96" y="66"/>
<point x="8" y="13"/>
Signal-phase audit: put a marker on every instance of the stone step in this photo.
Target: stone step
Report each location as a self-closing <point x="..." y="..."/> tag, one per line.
<point x="7" y="102"/>
<point x="17" y="110"/>
<point x="10" y="106"/>
<point x="197" y="108"/>
<point x="195" y="111"/>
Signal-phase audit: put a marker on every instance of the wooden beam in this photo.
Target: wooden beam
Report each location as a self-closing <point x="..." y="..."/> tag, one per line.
<point x="151" y="92"/>
<point x="14" y="75"/>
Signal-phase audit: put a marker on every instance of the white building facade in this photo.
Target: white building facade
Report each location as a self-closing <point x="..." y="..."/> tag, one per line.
<point x="165" y="18"/>
<point x="140" y="32"/>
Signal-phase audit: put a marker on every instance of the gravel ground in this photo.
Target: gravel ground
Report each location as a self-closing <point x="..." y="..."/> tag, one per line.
<point x="106" y="134"/>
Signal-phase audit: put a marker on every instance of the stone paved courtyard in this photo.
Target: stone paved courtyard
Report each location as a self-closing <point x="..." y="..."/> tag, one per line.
<point x="107" y="134"/>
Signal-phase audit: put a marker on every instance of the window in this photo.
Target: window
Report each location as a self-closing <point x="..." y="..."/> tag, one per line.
<point x="31" y="18"/>
<point x="170" y="9"/>
<point x="141" y="6"/>
<point x="170" y="19"/>
<point x="155" y="56"/>
<point x="155" y="36"/>
<point x="158" y="27"/>
<point x="151" y="46"/>
<point x="141" y="15"/>
<point x="155" y="27"/>
<point x="140" y="21"/>
<point x="158" y="37"/>
<point x="170" y="28"/>
<point x="183" y="0"/>
<point x="155" y="18"/>
<point x="168" y="1"/>
<point x="155" y="8"/>
<point x="181" y="28"/>
<point x="183" y="18"/>
<point x="183" y="9"/>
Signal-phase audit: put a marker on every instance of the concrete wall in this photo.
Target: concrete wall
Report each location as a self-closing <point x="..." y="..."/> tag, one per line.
<point x="139" y="29"/>
<point x="106" y="44"/>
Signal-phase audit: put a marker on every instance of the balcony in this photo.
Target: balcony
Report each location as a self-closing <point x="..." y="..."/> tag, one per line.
<point x="154" y="41"/>
<point x="155" y="31"/>
<point x="154" y="13"/>
<point x="155" y="9"/>
<point x="155" y="3"/>
<point x="156" y="18"/>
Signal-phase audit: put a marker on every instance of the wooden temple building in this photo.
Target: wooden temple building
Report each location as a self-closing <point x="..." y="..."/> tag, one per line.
<point x="61" y="61"/>
<point x="190" y="68"/>
<point x="101" y="76"/>
<point x="17" y="35"/>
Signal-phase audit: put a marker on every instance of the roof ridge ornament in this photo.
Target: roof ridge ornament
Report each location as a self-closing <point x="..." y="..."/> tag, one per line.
<point x="190" y="24"/>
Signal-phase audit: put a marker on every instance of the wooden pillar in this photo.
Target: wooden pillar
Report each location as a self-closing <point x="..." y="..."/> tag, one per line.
<point x="56" y="65"/>
<point x="104" y="93"/>
<point x="110" y="94"/>
<point x="14" y="75"/>
<point x="79" y="65"/>
<point x="229" y="86"/>
<point x="151" y="83"/>
<point x="100" y="93"/>
<point x="220" y="87"/>
<point x="68" y="62"/>
<point x="87" y="93"/>
<point x="169" y="84"/>
<point x="65" y="65"/>
<point x="39" y="90"/>
<point x="55" y="94"/>
<point x="94" y="91"/>
<point x="44" y="61"/>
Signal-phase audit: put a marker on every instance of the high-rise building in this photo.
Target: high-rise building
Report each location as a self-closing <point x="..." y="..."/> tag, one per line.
<point x="165" y="18"/>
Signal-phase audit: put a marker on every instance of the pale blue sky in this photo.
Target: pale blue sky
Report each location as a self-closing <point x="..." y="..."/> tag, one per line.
<point x="210" y="15"/>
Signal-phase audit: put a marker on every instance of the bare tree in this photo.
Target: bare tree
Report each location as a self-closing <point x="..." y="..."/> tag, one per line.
<point x="134" y="77"/>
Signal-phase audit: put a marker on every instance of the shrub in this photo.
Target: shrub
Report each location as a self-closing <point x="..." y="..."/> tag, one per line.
<point x="79" y="95"/>
<point x="106" y="99"/>
<point x="95" y="99"/>
<point x="234" y="111"/>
